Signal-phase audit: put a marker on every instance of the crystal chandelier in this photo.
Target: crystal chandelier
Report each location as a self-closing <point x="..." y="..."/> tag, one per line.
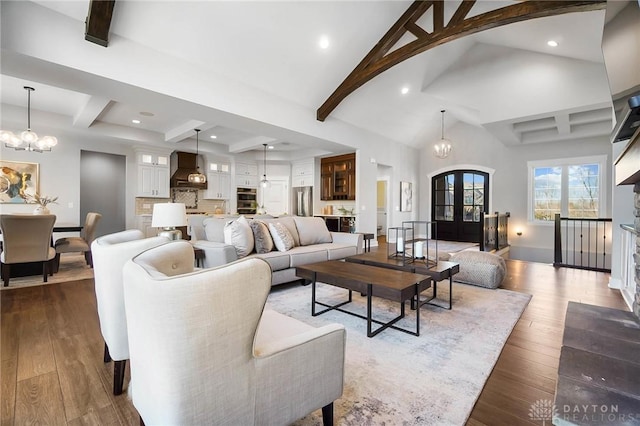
<point x="443" y="147"/>
<point x="28" y="139"/>
<point x="197" y="177"/>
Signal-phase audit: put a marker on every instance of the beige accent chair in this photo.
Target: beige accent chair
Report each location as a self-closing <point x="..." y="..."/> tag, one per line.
<point x="81" y="243"/>
<point x="26" y="238"/>
<point x="110" y="253"/>
<point x="204" y="351"/>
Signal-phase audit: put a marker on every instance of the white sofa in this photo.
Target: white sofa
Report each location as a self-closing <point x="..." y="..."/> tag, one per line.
<point x="207" y="233"/>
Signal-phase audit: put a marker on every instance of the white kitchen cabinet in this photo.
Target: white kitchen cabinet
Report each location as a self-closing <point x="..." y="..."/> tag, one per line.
<point x="219" y="180"/>
<point x="153" y="158"/>
<point x="219" y="187"/>
<point x="246" y="175"/>
<point x="153" y="181"/>
<point x="144" y="224"/>
<point x="246" y="169"/>
<point x="219" y="167"/>
<point x="153" y="174"/>
<point x="247" y="181"/>
<point x="302" y="174"/>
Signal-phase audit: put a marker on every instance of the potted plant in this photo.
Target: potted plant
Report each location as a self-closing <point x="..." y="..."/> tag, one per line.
<point x="42" y="201"/>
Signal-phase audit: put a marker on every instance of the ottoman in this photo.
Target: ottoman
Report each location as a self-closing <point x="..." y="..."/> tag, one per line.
<point x="480" y="268"/>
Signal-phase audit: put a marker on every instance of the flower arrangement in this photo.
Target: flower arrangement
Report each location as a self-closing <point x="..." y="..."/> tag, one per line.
<point x="41" y="200"/>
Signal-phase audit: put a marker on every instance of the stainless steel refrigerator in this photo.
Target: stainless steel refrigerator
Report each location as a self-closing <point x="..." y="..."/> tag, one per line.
<point x="303" y="201"/>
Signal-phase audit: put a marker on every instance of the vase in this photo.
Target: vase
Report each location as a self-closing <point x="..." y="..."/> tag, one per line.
<point x="41" y="210"/>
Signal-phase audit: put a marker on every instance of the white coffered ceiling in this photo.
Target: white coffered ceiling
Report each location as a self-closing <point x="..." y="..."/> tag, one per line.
<point x="506" y="80"/>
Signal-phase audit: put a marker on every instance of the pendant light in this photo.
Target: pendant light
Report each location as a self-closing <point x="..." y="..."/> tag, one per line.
<point x="28" y="139"/>
<point x="443" y="147"/>
<point x="197" y="177"/>
<point x="264" y="182"/>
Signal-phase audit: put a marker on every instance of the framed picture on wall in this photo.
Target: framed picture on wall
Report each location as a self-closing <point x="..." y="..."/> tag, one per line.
<point x="406" y="196"/>
<point x="17" y="180"/>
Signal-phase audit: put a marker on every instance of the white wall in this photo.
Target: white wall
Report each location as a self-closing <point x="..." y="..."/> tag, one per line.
<point x="622" y="213"/>
<point x="60" y="173"/>
<point x="475" y="146"/>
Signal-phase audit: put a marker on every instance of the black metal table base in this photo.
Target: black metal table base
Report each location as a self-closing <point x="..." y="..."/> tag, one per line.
<point x="370" y="320"/>
<point x="429" y="301"/>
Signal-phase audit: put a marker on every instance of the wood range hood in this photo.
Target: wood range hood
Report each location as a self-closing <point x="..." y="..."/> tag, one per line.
<point x="187" y="163"/>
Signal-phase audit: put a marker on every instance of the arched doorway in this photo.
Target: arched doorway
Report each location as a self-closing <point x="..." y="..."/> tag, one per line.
<point x="457" y="199"/>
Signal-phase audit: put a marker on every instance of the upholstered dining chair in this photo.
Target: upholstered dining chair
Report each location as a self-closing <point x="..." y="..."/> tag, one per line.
<point x="81" y="243"/>
<point x="205" y="351"/>
<point x="110" y="252"/>
<point x="26" y="238"/>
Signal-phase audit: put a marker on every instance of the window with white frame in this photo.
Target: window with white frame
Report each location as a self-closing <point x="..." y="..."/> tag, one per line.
<point x="572" y="187"/>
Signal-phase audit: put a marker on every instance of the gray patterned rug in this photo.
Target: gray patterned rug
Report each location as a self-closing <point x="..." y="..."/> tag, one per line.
<point x="398" y="379"/>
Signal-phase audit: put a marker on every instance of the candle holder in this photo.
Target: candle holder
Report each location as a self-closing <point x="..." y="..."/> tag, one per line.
<point x="400" y="244"/>
<point x="423" y="232"/>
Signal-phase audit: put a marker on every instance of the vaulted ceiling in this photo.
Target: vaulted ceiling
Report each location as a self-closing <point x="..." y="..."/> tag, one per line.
<point x="506" y="80"/>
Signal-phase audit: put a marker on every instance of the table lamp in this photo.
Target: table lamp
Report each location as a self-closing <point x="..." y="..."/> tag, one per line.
<point x="167" y="216"/>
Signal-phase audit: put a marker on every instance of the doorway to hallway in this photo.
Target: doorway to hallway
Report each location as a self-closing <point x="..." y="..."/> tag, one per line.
<point x="103" y="190"/>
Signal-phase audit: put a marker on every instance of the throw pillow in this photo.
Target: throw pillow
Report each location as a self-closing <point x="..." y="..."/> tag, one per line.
<point x="281" y="236"/>
<point x="214" y="229"/>
<point x="261" y="236"/>
<point x="312" y="230"/>
<point x="290" y="224"/>
<point x="238" y="234"/>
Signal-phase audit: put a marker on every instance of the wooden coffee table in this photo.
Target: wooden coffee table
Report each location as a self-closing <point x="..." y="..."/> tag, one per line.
<point x="390" y="284"/>
<point x="441" y="271"/>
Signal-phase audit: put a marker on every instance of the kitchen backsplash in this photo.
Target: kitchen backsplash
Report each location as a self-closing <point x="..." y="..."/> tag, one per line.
<point x="145" y="205"/>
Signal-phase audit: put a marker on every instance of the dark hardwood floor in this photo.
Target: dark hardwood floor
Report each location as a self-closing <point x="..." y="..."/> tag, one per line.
<point x="52" y="370"/>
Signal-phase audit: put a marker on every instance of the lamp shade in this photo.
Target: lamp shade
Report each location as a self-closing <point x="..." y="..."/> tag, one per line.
<point x="167" y="215"/>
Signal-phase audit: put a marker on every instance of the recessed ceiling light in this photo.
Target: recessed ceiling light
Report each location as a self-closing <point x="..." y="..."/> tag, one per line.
<point x="135" y="121"/>
<point x="552" y="43"/>
<point x="404" y="90"/>
<point x="323" y="42"/>
<point x="147" y="114"/>
<point x="270" y="147"/>
<point x="213" y="137"/>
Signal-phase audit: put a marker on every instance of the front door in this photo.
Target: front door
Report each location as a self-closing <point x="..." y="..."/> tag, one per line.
<point x="457" y="199"/>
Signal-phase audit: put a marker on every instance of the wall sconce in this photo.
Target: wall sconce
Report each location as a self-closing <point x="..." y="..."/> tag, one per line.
<point x="519" y="232"/>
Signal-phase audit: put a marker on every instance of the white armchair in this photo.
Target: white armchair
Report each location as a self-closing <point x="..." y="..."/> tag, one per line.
<point x="110" y="252"/>
<point x="204" y="351"/>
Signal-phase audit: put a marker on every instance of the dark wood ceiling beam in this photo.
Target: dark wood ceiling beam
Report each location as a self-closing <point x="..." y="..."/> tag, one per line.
<point x="416" y="30"/>
<point x="462" y="11"/>
<point x="378" y="61"/>
<point x="413" y="13"/>
<point x="99" y="21"/>
<point x="438" y="16"/>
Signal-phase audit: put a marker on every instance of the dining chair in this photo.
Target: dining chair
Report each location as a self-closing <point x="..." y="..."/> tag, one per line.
<point x="26" y="239"/>
<point x="81" y="243"/>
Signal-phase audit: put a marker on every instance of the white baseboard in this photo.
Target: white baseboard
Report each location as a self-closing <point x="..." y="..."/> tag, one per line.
<point x="615" y="283"/>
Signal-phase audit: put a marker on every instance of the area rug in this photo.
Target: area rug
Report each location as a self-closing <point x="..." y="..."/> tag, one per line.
<point x="449" y="246"/>
<point x="398" y="379"/>
<point x="72" y="267"/>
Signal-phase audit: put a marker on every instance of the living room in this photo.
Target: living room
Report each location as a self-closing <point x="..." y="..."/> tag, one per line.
<point x="53" y="54"/>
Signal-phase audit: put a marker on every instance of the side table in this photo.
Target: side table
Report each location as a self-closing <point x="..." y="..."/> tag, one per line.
<point x="367" y="237"/>
<point x="199" y="254"/>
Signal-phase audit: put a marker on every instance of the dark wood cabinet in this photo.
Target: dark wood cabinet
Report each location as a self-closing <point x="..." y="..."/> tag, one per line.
<point x="338" y="175"/>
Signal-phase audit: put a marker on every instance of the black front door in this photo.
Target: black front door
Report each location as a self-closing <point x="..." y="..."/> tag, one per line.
<point x="457" y="199"/>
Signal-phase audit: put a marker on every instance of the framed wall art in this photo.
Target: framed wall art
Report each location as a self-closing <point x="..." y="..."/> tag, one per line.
<point x="406" y="196"/>
<point x="17" y="180"/>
